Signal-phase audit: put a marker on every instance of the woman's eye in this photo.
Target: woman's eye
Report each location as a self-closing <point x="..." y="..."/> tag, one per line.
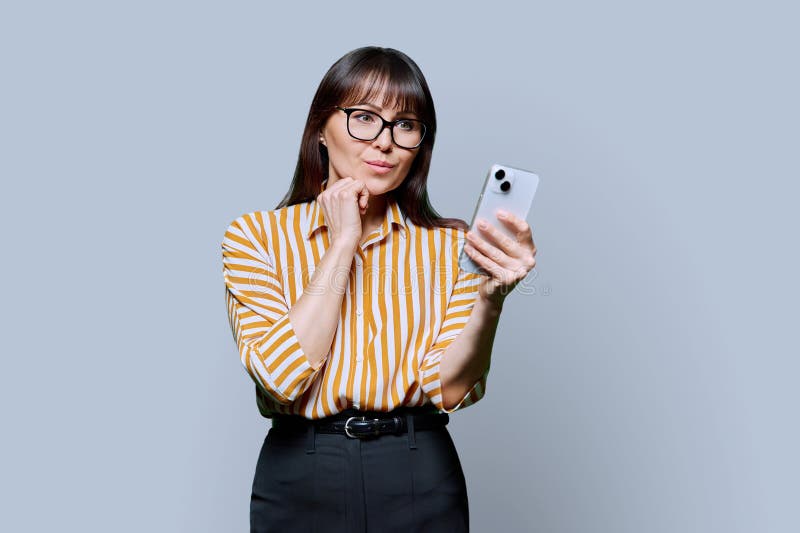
<point x="365" y="117"/>
<point x="405" y="125"/>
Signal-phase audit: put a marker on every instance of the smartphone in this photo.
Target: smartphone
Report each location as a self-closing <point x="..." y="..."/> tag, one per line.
<point x="508" y="188"/>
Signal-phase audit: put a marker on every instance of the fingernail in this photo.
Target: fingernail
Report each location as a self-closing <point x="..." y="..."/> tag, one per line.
<point x="502" y="214"/>
<point x="483" y="224"/>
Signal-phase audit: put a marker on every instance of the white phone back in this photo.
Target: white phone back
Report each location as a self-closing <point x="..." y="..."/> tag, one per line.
<point x="517" y="199"/>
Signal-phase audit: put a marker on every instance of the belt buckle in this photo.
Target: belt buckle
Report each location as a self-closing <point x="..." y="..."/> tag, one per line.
<point x="362" y="419"/>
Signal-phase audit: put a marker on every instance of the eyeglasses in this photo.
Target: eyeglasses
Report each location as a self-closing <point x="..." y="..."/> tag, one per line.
<point x="366" y="125"/>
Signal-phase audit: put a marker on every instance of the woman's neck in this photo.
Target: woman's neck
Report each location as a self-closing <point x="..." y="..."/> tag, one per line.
<point x="376" y="210"/>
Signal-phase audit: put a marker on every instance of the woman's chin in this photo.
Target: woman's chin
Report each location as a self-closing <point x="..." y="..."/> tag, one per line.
<point x="376" y="185"/>
<point x="382" y="184"/>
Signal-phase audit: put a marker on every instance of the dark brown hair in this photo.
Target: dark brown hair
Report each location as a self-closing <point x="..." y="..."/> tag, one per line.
<point x="358" y="76"/>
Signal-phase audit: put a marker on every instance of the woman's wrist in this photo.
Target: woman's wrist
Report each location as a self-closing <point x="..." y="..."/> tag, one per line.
<point x="345" y="244"/>
<point x="491" y="304"/>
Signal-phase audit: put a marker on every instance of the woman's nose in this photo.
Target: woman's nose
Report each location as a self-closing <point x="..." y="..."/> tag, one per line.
<point x="384" y="139"/>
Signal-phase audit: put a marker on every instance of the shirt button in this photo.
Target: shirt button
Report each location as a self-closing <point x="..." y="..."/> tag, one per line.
<point x="357" y="405"/>
<point x="360" y="358"/>
<point x="358" y="312"/>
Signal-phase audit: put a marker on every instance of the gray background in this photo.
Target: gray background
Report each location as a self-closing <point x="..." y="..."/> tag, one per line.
<point x="646" y="383"/>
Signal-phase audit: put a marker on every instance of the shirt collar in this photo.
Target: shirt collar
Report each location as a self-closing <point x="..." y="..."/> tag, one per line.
<point x="393" y="217"/>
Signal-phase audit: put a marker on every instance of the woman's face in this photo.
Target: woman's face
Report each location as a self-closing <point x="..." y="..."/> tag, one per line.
<point x="380" y="164"/>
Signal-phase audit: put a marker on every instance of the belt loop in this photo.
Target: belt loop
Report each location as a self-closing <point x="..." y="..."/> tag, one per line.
<point x="311" y="438"/>
<point x="412" y="437"/>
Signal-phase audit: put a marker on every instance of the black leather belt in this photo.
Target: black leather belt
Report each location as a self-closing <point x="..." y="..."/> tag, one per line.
<point x="361" y="424"/>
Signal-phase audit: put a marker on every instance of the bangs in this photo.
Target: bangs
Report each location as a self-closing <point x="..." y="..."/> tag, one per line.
<point x="400" y="89"/>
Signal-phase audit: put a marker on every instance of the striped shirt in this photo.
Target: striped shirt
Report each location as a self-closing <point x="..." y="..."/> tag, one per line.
<point x="406" y="301"/>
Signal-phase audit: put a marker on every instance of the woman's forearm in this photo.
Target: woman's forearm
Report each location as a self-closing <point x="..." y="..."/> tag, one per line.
<point x="315" y="315"/>
<point x="466" y="359"/>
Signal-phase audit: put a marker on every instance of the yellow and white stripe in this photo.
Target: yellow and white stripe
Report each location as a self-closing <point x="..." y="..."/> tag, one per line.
<point x="406" y="301"/>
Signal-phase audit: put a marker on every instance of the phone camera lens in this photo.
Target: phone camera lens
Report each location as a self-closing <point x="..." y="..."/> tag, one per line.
<point x="500" y="174"/>
<point x="505" y="185"/>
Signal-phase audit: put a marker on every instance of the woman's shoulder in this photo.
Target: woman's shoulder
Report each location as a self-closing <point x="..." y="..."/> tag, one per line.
<point x="259" y="224"/>
<point x="451" y="232"/>
<point x="445" y="226"/>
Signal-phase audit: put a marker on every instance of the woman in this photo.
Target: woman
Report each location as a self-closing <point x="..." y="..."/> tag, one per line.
<point x="354" y="321"/>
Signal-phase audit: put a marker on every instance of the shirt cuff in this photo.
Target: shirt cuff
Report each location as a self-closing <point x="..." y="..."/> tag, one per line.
<point x="282" y="363"/>
<point x="432" y="384"/>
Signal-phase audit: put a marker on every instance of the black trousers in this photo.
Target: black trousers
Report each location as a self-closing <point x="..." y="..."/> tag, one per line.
<point x="327" y="483"/>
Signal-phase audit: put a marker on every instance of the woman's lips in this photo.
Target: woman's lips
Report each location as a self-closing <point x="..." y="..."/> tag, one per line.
<point x="380" y="167"/>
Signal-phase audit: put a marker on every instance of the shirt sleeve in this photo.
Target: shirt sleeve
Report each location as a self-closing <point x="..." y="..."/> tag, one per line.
<point x="259" y="316"/>
<point x="459" y="308"/>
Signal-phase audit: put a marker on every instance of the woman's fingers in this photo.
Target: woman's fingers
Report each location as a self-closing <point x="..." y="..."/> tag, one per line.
<point x="484" y="262"/>
<point x="506" y="259"/>
<point x="521" y="229"/>
<point x="507" y="245"/>
<point x="521" y="247"/>
<point x="357" y="188"/>
<point x="487" y="249"/>
<point x="341" y="203"/>
<point x="500" y="239"/>
<point x="363" y="196"/>
<point x="524" y="237"/>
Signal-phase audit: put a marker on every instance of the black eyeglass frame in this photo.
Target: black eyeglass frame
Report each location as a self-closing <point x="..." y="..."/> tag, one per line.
<point x="386" y="123"/>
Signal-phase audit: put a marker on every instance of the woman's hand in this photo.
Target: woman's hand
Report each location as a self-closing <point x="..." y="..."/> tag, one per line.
<point x="507" y="260"/>
<point x="343" y="203"/>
